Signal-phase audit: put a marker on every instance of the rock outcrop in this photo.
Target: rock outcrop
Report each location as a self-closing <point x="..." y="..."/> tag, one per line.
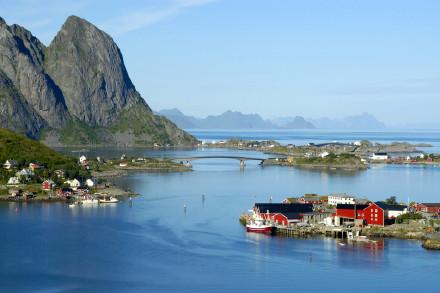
<point x="15" y="112"/>
<point x="76" y="91"/>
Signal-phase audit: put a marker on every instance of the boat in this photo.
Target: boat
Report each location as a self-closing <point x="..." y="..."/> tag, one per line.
<point x="108" y="199"/>
<point x="258" y="226"/>
<point x="358" y="238"/>
<point x="88" y="201"/>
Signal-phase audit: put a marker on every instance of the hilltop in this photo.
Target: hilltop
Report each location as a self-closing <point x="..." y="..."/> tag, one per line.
<point x="76" y="91"/>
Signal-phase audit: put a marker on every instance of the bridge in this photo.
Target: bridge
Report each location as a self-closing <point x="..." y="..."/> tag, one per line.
<point x="242" y="159"/>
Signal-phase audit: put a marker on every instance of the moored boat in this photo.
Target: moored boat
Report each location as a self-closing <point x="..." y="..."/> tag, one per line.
<point x="258" y="226"/>
<point x="358" y="238"/>
<point x="88" y="200"/>
<point x="108" y="199"/>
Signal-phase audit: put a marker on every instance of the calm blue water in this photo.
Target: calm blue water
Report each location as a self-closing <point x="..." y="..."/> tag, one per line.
<point x="152" y="245"/>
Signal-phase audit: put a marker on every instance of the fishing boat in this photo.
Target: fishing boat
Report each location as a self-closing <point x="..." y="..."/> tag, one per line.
<point x="108" y="199"/>
<point x="259" y="226"/>
<point x="88" y="200"/>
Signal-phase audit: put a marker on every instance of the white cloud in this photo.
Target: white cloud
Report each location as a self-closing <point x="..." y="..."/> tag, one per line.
<point x="138" y="19"/>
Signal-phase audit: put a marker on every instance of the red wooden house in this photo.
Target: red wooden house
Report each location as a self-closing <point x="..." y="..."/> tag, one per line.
<point x="47" y="185"/>
<point x="428" y="207"/>
<point x="373" y="214"/>
<point x="282" y="213"/>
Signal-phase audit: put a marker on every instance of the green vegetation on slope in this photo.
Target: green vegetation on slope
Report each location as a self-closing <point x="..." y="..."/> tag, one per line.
<point x="78" y="133"/>
<point x="331" y="159"/>
<point x="149" y="129"/>
<point x="25" y="151"/>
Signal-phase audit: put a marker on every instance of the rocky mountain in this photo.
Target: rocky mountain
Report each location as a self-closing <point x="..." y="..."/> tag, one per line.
<point x="75" y="91"/>
<point x="364" y="121"/>
<point x="235" y="120"/>
<point x="181" y="120"/>
<point x="297" y="122"/>
<point x="226" y="120"/>
<point x="14" y="107"/>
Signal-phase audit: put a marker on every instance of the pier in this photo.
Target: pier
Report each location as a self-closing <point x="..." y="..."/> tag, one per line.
<point x="341" y="233"/>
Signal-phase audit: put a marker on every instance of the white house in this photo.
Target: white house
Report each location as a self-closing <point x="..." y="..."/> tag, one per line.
<point x="26" y="173"/>
<point x="324" y="154"/>
<point x="74" y="184"/>
<point x="396" y="211"/>
<point x="90" y="183"/>
<point x="83" y="160"/>
<point x="335" y="199"/>
<point x="14" y="181"/>
<point x="379" y="156"/>
<point x="10" y="164"/>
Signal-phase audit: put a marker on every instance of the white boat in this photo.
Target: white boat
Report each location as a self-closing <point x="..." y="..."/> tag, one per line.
<point x="108" y="199"/>
<point x="89" y="201"/>
<point x="258" y="226"/>
<point x="358" y="238"/>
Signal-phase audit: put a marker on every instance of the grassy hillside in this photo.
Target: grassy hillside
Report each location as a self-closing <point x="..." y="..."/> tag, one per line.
<point x="24" y="150"/>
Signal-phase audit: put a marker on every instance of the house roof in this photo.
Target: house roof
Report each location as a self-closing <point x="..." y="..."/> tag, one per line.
<point x="284" y="208"/>
<point x="351" y="206"/>
<point x="391" y="207"/>
<point x="293" y="216"/>
<point x="431" y="204"/>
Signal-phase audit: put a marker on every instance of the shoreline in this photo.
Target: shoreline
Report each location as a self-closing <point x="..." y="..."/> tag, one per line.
<point x="349" y="168"/>
<point x="424" y="233"/>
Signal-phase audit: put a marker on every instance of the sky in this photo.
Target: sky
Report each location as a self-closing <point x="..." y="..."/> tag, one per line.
<point x="275" y="58"/>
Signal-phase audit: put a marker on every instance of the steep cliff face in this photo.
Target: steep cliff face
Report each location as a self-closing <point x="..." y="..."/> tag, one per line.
<point x="15" y="112"/>
<point x="88" y="67"/>
<point x="77" y="90"/>
<point x="21" y="59"/>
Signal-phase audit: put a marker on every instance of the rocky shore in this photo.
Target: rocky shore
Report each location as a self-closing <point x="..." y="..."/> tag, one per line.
<point x="432" y="244"/>
<point x="415" y="230"/>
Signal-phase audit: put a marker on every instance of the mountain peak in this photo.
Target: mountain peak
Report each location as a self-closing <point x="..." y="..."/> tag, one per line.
<point x="2" y="21"/>
<point x="88" y="67"/>
<point x="74" y="20"/>
<point x="78" y="88"/>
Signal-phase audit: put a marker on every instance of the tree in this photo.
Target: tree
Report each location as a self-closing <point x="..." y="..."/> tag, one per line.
<point x="391" y="200"/>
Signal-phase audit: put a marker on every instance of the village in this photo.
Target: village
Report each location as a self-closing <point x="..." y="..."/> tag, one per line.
<point x="36" y="182"/>
<point x="346" y="217"/>
<point x="355" y="155"/>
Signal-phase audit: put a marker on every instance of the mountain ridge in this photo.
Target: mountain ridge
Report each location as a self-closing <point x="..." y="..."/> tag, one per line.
<point x="231" y="120"/>
<point x="76" y="90"/>
<point x="362" y="121"/>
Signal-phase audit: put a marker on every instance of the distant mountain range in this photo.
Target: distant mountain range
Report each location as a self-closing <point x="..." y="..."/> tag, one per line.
<point x="231" y="120"/>
<point x="238" y="120"/>
<point x="361" y="122"/>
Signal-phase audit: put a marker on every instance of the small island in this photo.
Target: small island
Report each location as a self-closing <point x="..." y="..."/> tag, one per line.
<point x="329" y="161"/>
<point x="352" y="156"/>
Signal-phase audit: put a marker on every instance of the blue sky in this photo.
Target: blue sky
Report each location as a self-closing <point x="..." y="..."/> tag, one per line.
<point x="276" y="58"/>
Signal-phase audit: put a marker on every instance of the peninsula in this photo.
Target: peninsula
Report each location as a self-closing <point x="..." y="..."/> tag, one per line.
<point x="33" y="172"/>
